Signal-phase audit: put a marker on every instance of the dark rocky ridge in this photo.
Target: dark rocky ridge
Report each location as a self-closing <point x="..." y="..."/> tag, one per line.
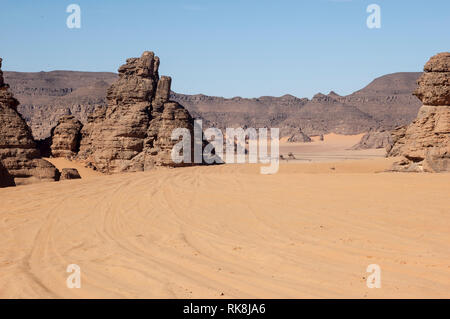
<point x="388" y="99"/>
<point x="382" y="105"/>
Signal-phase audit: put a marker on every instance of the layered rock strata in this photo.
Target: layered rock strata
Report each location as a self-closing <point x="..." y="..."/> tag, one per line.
<point x="66" y="137"/>
<point x="424" y="145"/>
<point x="18" y="151"/>
<point x="133" y="132"/>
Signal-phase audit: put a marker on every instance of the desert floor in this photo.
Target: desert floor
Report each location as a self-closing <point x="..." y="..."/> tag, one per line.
<point x="227" y="231"/>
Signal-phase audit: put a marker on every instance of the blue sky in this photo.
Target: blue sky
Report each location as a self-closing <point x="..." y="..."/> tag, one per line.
<point x="230" y="48"/>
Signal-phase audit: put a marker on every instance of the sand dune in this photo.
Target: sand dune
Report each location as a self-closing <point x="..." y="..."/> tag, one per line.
<point x="227" y="231"/>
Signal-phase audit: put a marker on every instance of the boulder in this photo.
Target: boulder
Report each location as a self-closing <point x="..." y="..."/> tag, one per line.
<point x="69" y="173"/>
<point x="66" y="137"/>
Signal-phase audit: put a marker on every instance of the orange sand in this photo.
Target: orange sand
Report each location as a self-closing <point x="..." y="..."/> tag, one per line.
<point x="308" y="231"/>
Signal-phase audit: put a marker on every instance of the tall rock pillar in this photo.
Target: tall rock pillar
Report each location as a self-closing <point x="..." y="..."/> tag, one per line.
<point x="425" y="144"/>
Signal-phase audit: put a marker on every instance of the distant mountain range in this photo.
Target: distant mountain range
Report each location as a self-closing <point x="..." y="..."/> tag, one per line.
<point x="387" y="102"/>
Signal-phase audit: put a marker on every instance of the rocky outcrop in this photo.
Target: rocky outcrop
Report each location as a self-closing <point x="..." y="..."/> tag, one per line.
<point x="66" y="137"/>
<point x="18" y="150"/>
<point x="298" y="137"/>
<point x="69" y="173"/>
<point x="424" y="145"/>
<point x="133" y="133"/>
<point x="434" y="84"/>
<point x="374" y="139"/>
<point x="6" y="179"/>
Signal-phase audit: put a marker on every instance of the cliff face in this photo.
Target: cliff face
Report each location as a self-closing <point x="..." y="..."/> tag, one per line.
<point x="132" y="133"/>
<point x="47" y="96"/>
<point x="425" y="144"/>
<point x="18" y="151"/>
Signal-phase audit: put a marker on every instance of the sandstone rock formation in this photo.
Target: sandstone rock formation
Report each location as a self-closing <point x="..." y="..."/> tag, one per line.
<point x="18" y="151"/>
<point x="374" y="139"/>
<point x="66" y="137"/>
<point x="133" y="133"/>
<point x="5" y="178"/>
<point x="69" y="173"/>
<point x="425" y="144"/>
<point x="435" y="82"/>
